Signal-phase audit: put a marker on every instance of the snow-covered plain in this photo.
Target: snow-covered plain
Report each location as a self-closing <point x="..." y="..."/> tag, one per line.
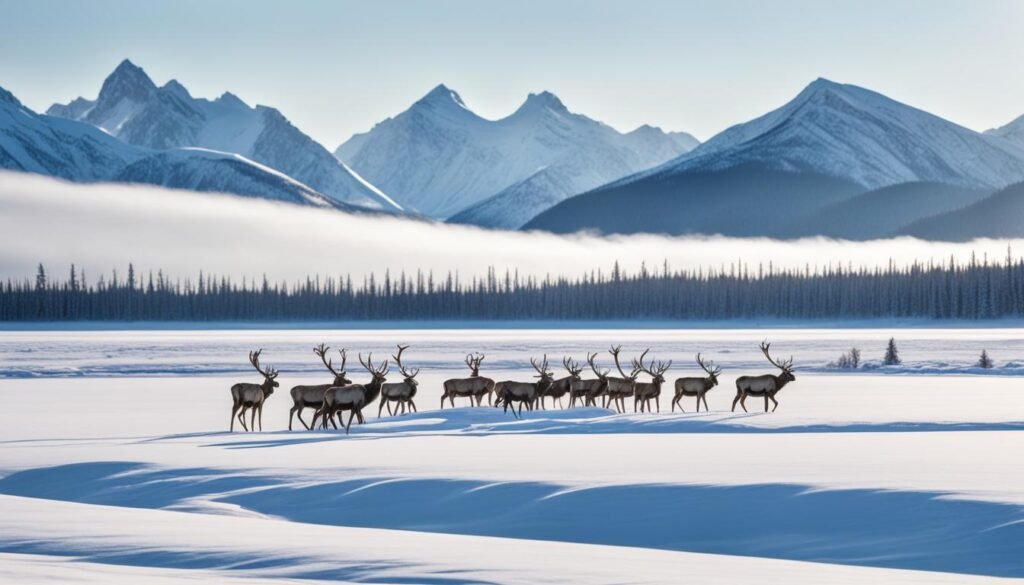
<point x="115" y="465"/>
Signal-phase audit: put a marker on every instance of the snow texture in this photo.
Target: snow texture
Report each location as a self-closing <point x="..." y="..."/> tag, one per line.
<point x="133" y="477"/>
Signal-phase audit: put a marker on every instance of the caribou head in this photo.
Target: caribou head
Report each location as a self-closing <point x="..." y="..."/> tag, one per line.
<point x="572" y="367"/>
<point x="379" y="373"/>
<point x="786" y="366"/>
<point x="546" y="377"/>
<point x="339" y="374"/>
<point x="409" y="375"/>
<point x="655" y="370"/>
<point x="710" y="369"/>
<point x="269" y="375"/>
<point x="473" y="363"/>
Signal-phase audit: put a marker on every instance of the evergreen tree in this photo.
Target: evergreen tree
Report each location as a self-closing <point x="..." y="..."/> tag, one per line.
<point x="892" y="356"/>
<point x="984" y="361"/>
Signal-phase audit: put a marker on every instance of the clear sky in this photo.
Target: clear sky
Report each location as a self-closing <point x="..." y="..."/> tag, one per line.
<point x="335" y="68"/>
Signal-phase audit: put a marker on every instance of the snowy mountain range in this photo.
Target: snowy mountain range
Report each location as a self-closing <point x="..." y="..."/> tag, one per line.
<point x="78" y="151"/>
<point x="1012" y="132"/>
<point x="445" y="161"/>
<point x="132" y="108"/>
<point x="752" y="179"/>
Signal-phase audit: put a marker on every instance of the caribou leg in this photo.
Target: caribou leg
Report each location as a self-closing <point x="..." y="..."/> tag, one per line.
<point x="241" y="417"/>
<point x="298" y="413"/>
<point x="704" y="397"/>
<point x="735" y="400"/>
<point x="234" y="413"/>
<point x="381" y="409"/>
<point x="743" y="403"/>
<point x="766" y="402"/>
<point x="261" y="416"/>
<point x="252" y="421"/>
<point x="776" y="403"/>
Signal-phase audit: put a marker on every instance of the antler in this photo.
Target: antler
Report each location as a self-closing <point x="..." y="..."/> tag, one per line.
<point x="710" y="368"/>
<point x="785" y="366"/>
<point x="368" y="364"/>
<point x="344" y="358"/>
<point x="654" y="370"/>
<point x="615" y="354"/>
<point x="543" y="368"/>
<point x="401" y="367"/>
<point x="571" y="366"/>
<point x="321" y="350"/>
<point x="254" y="359"/>
<point x="590" y="360"/>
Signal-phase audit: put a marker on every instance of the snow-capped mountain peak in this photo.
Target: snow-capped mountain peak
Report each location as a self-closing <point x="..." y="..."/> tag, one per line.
<point x="544" y="100"/>
<point x="853" y="133"/>
<point x="442" y="97"/>
<point x="439" y="158"/>
<point x="131" y="107"/>
<point x="1012" y="132"/>
<point x="127" y="81"/>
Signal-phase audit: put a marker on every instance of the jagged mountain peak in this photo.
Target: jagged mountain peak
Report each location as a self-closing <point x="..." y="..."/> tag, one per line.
<point x="544" y="100"/>
<point x="442" y="96"/>
<point x="127" y="80"/>
<point x="176" y="88"/>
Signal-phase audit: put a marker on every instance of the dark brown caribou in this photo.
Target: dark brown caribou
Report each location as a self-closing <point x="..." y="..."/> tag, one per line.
<point x="697" y="386"/>
<point x="473" y="387"/>
<point x="525" y="393"/>
<point x="645" y="392"/>
<point x="354" y="398"/>
<point x="401" y="393"/>
<point x="312" y="396"/>
<point x="767" y="385"/>
<point x="246" y="395"/>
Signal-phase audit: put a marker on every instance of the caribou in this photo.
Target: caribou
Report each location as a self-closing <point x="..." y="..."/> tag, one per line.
<point x="587" y="391"/>
<point x="353" y="398"/>
<point x="620" y="388"/>
<point x="526" y="393"/>
<point x="473" y="387"/>
<point x="313" y="396"/>
<point x="696" y="386"/>
<point x="402" y="392"/>
<point x="246" y="395"/>
<point x="644" y="392"/>
<point x="561" y="386"/>
<point x="767" y="385"/>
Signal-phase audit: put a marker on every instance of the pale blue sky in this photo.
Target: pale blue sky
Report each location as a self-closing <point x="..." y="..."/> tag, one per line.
<point x="335" y="68"/>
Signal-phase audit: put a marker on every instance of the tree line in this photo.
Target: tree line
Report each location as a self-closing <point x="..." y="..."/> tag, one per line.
<point x="977" y="289"/>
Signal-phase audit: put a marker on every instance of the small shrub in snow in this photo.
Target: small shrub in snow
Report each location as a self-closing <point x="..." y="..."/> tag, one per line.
<point x="984" y="361"/>
<point x="892" y="355"/>
<point x="848" y="361"/>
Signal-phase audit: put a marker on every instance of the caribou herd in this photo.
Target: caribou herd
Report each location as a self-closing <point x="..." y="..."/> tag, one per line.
<point x="330" y="401"/>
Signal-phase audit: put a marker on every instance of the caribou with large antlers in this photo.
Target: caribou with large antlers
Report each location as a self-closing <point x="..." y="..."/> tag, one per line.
<point x="473" y="387"/>
<point x="767" y="385"/>
<point x="313" y="396"/>
<point x="561" y="386"/>
<point x="354" y="398"/>
<point x="526" y="393"/>
<point x="402" y="392"/>
<point x="696" y="386"/>
<point x="620" y="388"/>
<point x="246" y="395"/>
<point x="644" y="392"/>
